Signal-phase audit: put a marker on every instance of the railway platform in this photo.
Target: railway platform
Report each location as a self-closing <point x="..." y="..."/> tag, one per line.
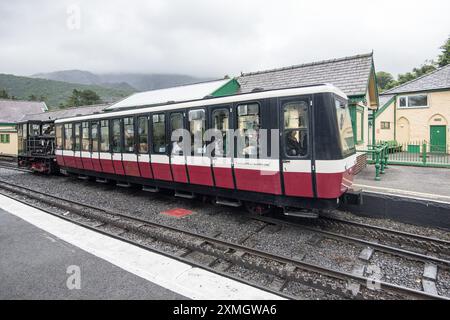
<point x="417" y="195"/>
<point x="44" y="257"/>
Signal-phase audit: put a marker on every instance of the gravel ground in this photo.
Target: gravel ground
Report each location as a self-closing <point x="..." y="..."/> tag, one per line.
<point x="333" y="254"/>
<point x="307" y="293"/>
<point x="443" y="282"/>
<point x="398" y="270"/>
<point x="386" y="223"/>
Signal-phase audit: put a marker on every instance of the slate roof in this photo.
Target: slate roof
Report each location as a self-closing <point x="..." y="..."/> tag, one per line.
<point x="350" y="74"/>
<point x="12" y="111"/>
<point x="65" y="113"/>
<point x="438" y="79"/>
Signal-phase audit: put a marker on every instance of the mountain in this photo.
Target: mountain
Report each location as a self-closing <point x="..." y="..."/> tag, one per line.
<point x="55" y="92"/>
<point x="137" y="81"/>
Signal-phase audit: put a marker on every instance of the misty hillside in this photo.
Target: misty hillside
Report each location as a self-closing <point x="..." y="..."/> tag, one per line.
<point x="55" y="92"/>
<point x="127" y="81"/>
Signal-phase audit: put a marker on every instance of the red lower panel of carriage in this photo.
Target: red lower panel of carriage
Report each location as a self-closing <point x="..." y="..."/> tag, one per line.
<point x="107" y="166"/>
<point x="131" y="168"/>
<point x="258" y="181"/>
<point x="69" y="161"/>
<point x="146" y="172"/>
<point x="118" y="167"/>
<point x="298" y="184"/>
<point x="87" y="163"/>
<point x="60" y="161"/>
<point x="78" y="162"/>
<point x="200" y="175"/>
<point x="179" y="173"/>
<point x="329" y="185"/>
<point x="96" y="165"/>
<point x="223" y="178"/>
<point x="161" y="171"/>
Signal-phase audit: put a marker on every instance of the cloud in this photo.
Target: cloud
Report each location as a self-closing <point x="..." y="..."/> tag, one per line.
<point x="214" y="38"/>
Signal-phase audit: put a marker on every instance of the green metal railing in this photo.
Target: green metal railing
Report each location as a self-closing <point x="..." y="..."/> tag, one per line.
<point x="418" y="153"/>
<point x="378" y="156"/>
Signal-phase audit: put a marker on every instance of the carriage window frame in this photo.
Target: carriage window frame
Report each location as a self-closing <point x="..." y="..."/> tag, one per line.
<point x="32" y="129"/>
<point x="288" y="130"/>
<point x="143" y="142"/>
<point x="68" y="128"/>
<point x="85" y="128"/>
<point x="127" y="147"/>
<point x="77" y="144"/>
<point x="115" y="133"/>
<point x="225" y="145"/>
<point x="156" y="119"/>
<point x="59" y="136"/>
<point x="200" y="151"/>
<point x="94" y="142"/>
<point x="178" y="151"/>
<point x="237" y="118"/>
<point x="46" y="126"/>
<point x="105" y="144"/>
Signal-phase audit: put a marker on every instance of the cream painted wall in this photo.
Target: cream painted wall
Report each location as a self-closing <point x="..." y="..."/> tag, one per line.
<point x="418" y="119"/>
<point x="11" y="147"/>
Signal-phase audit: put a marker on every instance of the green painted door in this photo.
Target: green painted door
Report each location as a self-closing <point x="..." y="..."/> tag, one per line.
<point x="438" y="141"/>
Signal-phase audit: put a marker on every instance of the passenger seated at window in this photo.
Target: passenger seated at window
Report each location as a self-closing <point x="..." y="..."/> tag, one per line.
<point x="177" y="149"/>
<point x="296" y="143"/>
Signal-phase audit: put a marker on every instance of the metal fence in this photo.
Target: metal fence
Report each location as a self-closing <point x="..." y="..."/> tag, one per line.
<point x="418" y="153"/>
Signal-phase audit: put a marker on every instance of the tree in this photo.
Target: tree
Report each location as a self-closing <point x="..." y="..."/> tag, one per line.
<point x="383" y="79"/>
<point x="83" y="98"/>
<point x="444" y="57"/>
<point x="4" y="94"/>
<point x="32" y="98"/>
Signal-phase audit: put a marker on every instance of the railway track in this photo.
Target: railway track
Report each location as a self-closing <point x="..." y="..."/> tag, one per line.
<point x="222" y="255"/>
<point x="12" y="166"/>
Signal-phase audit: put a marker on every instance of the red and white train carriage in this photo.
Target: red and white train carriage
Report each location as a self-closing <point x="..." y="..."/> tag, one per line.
<point x="307" y="162"/>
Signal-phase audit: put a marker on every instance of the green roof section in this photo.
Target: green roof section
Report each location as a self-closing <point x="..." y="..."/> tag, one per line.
<point x="229" y="88"/>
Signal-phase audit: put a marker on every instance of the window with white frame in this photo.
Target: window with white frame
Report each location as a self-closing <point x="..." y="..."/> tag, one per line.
<point x="413" y="101"/>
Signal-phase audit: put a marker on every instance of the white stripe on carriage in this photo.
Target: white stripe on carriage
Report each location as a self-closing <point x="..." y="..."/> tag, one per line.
<point x="198" y="161"/>
<point x="132" y="157"/>
<point x="117" y="156"/>
<point x="302" y="166"/>
<point x="144" y="158"/>
<point x="105" y="156"/>
<point x="335" y="166"/>
<point x="160" y="158"/>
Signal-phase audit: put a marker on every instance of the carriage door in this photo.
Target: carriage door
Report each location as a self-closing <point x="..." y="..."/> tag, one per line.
<point x="129" y="155"/>
<point x="160" y="161"/>
<point x="221" y="155"/>
<point x="294" y="150"/>
<point x="177" y="147"/>
<point x="77" y="145"/>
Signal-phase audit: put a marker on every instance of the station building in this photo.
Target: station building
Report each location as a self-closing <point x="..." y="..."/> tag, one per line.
<point x="12" y="111"/>
<point x="417" y="112"/>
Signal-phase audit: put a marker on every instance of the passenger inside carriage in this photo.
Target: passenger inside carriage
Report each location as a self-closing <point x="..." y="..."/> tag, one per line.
<point x="296" y="143"/>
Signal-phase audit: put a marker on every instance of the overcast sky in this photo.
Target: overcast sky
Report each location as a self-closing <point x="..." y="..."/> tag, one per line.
<point x="214" y="38"/>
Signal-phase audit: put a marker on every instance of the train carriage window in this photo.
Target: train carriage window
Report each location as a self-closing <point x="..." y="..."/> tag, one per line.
<point x="345" y="127"/>
<point x="296" y="128"/>
<point x="220" y="119"/>
<point x="94" y="136"/>
<point x="116" y="144"/>
<point x="143" y="134"/>
<point x="176" y="123"/>
<point x="68" y="134"/>
<point x="248" y="130"/>
<point x="128" y="133"/>
<point x="35" y="129"/>
<point x="58" y="135"/>
<point x="85" y="136"/>
<point x="104" y="136"/>
<point x="20" y="138"/>
<point x="77" y="136"/>
<point x="159" y="133"/>
<point x="197" y="126"/>
<point x="48" y="129"/>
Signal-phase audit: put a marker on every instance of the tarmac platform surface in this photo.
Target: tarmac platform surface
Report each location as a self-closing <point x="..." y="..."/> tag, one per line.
<point x="415" y="195"/>
<point x="422" y="182"/>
